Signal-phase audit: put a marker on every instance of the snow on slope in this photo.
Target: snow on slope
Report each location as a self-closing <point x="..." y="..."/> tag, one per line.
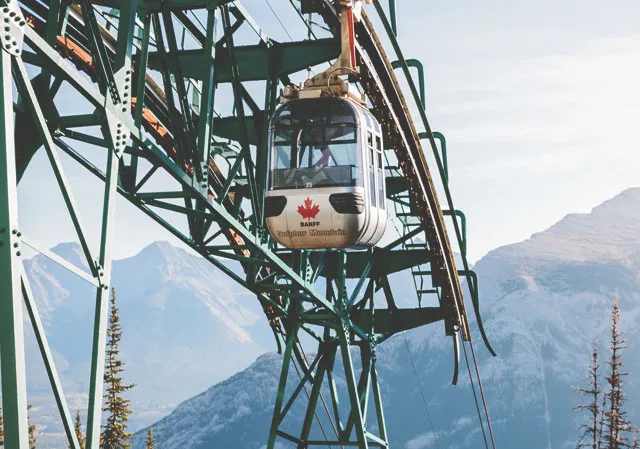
<point x="543" y="300"/>
<point x="186" y="325"/>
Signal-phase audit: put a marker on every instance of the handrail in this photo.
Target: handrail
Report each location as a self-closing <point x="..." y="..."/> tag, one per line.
<point x="392" y="14"/>
<point x="443" y="150"/>
<point x="415" y="63"/>
<point x="463" y="225"/>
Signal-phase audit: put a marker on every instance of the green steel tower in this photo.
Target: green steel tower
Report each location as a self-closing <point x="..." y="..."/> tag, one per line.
<point x="171" y="113"/>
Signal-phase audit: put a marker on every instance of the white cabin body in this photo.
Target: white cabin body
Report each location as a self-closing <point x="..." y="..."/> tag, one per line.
<point x="326" y="186"/>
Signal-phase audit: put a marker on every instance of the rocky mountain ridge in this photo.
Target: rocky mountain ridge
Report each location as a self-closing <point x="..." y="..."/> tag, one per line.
<point x="543" y="300"/>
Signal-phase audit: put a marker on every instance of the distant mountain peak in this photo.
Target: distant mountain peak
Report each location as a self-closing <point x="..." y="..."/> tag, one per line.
<point x="610" y="231"/>
<point x="72" y="252"/>
<point x="165" y="253"/>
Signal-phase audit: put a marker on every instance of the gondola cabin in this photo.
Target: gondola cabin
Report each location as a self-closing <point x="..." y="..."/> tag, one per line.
<point x="326" y="185"/>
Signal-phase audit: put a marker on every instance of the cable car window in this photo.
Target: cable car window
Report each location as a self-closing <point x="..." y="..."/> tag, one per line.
<point x="372" y="177"/>
<point x="315" y="156"/>
<point x="317" y="111"/>
<point x="381" y="198"/>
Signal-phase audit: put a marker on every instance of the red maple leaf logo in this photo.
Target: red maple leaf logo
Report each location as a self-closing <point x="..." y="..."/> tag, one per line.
<point x="307" y="211"/>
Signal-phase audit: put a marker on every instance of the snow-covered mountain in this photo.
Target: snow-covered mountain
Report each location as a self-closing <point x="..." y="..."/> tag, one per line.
<point x="186" y="326"/>
<point x="543" y="300"/>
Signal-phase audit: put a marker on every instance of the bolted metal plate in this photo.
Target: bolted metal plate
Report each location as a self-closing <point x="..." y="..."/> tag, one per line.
<point x="12" y="28"/>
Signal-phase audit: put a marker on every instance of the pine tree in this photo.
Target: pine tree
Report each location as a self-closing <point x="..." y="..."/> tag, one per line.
<point x="616" y="425"/>
<point x="114" y="433"/>
<point x="150" y="442"/>
<point x="603" y="407"/>
<point x="78" y="428"/>
<point x="590" y="437"/>
<point x="32" y="431"/>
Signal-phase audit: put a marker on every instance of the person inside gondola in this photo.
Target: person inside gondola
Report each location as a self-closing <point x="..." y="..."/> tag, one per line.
<point x="324" y="159"/>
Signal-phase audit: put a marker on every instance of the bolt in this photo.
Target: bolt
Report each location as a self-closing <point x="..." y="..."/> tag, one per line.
<point x="18" y="253"/>
<point x="15" y="245"/>
<point x="19" y="234"/>
<point x="14" y="232"/>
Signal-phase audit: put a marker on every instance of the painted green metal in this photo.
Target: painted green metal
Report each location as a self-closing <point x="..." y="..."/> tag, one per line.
<point x="12" y="359"/>
<point x="473" y="279"/>
<point x="458" y="214"/>
<point x="254" y="60"/>
<point x="130" y="171"/>
<point x="425" y="122"/>
<point x="31" y="100"/>
<point x="206" y="102"/>
<point x="392" y="16"/>
<point x="415" y="63"/>
<point x="443" y="151"/>
<point x="49" y="364"/>
<point x="338" y="337"/>
<point x="212" y="156"/>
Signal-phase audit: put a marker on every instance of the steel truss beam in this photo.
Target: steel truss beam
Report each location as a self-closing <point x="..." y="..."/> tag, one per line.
<point x="213" y="163"/>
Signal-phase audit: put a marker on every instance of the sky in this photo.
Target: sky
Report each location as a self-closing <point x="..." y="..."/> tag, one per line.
<point x="539" y="103"/>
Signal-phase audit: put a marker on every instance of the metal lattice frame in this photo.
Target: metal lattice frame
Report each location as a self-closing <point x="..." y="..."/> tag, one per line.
<point x="135" y="63"/>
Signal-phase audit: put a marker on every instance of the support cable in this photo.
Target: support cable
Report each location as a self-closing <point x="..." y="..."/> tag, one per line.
<point x="324" y="403"/>
<point x="278" y="19"/>
<point x="306" y="392"/>
<point x="307" y="24"/>
<point x="424" y="401"/>
<point x="475" y="397"/>
<point x="484" y="400"/>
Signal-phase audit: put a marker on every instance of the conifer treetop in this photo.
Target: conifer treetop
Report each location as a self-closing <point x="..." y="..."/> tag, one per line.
<point x="114" y="434"/>
<point x="150" y="442"/>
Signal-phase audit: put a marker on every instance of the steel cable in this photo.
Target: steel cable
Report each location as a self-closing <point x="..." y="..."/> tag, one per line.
<point x="475" y="397"/>
<point x="315" y="414"/>
<point x="424" y="401"/>
<point x="324" y="403"/>
<point x="278" y="19"/>
<point x="484" y="400"/>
